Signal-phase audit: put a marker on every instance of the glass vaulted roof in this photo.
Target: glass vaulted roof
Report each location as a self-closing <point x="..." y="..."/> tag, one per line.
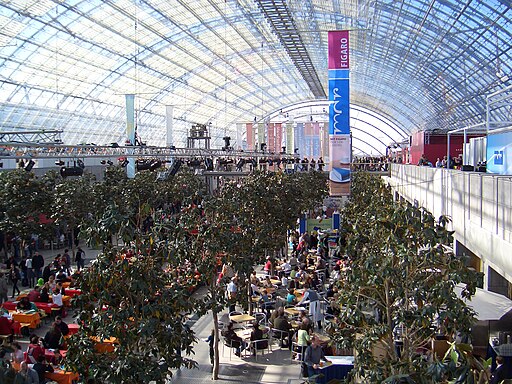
<point x="67" y="64"/>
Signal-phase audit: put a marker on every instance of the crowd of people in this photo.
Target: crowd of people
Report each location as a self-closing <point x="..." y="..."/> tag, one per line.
<point x="291" y="298"/>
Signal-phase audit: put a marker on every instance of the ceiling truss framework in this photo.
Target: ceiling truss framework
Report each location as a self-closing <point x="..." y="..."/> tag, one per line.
<point x="422" y="64"/>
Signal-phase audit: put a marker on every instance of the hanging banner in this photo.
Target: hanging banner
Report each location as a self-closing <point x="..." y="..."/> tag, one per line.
<point x="338" y="49"/>
<point x="339" y="97"/>
<point x="130" y="133"/>
<point x="289" y="138"/>
<point x="169" y="110"/>
<point x="250" y="136"/>
<point x="261" y="128"/>
<point x="300" y="138"/>
<point x="316" y="140"/>
<point x="340" y="143"/>
<point x="271" y="145"/>
<point x="279" y="137"/>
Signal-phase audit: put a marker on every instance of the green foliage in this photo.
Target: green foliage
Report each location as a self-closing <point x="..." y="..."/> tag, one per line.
<point x="22" y="200"/>
<point x="131" y="298"/>
<point x="401" y="266"/>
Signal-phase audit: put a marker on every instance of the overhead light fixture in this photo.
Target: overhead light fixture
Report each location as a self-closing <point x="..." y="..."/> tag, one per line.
<point x="502" y="76"/>
<point x="30" y="165"/>
<point x="71" y="171"/>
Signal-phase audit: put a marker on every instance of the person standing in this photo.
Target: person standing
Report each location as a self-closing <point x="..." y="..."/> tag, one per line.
<point x="3" y="289"/>
<point x="500" y="372"/>
<point x="231" y="291"/>
<point x="26" y="375"/>
<point x="314" y="305"/>
<point x="314" y="354"/>
<point x="80" y="259"/>
<point x="37" y="264"/>
<point x="30" y="272"/>
<point x="66" y="262"/>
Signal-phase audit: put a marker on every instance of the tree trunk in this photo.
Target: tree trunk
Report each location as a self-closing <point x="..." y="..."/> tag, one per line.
<point x="215" y="370"/>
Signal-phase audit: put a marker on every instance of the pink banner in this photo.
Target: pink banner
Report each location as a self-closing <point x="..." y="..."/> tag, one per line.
<point x="250" y="136"/>
<point x="271" y="138"/>
<point x="279" y="137"/>
<point x="338" y="49"/>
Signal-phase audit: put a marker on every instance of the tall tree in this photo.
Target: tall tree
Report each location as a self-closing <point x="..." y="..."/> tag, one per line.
<point x="23" y="203"/>
<point x="401" y="269"/>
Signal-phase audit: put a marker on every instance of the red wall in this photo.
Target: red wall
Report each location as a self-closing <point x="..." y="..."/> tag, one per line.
<point x="434" y="146"/>
<point x="417" y="147"/>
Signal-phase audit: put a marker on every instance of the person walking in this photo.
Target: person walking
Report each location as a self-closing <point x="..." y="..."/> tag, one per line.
<point x="15" y="276"/>
<point x="80" y="259"/>
<point x="3" y="289"/>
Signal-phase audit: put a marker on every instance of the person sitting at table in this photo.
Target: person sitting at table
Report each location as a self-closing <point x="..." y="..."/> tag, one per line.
<point x="26" y="375"/>
<point x="314" y="305"/>
<point x="294" y="284"/>
<point x="233" y="340"/>
<point x="63" y="327"/>
<point x="254" y="279"/>
<point x="41" y="367"/>
<point x="304" y="319"/>
<point x="255" y="290"/>
<point x="52" y="338"/>
<point x="275" y="314"/>
<point x="6" y="328"/>
<point x="282" y="324"/>
<point x="44" y="297"/>
<point x="17" y="353"/>
<point x="57" y="298"/>
<point x="293" y="262"/>
<point x="290" y="297"/>
<point x="34" y="294"/>
<point x="267" y="283"/>
<point x="257" y="334"/>
<point x="34" y="350"/>
<point x="320" y="263"/>
<point x="314" y="281"/>
<point x="61" y="276"/>
<point x="284" y="282"/>
<point x="314" y="353"/>
<point x="265" y="302"/>
<point x="52" y="284"/>
<point x="24" y="304"/>
<point x="60" y="287"/>
<point x="286" y="268"/>
<point x="294" y="271"/>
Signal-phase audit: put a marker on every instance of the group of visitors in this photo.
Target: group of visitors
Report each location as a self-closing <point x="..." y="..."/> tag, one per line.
<point x="304" y="271"/>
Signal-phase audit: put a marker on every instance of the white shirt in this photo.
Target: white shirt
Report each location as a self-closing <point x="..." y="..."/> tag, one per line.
<point x="57" y="299"/>
<point x="28" y="263"/>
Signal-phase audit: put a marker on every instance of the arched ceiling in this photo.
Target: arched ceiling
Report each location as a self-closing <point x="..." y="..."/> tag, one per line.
<point x="67" y="64"/>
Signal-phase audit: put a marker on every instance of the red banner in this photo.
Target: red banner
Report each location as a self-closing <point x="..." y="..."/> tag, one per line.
<point x="338" y="49"/>
<point x="279" y="137"/>
<point x="271" y="138"/>
<point x="250" y="136"/>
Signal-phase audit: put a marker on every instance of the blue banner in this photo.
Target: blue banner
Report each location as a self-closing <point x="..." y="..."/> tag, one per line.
<point x="339" y="97"/>
<point x="300" y="138"/>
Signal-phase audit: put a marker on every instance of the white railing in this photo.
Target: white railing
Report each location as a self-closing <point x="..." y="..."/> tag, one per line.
<point x="479" y="204"/>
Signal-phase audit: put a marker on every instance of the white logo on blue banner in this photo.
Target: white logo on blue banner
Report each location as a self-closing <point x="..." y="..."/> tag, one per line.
<point x="339" y="96"/>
